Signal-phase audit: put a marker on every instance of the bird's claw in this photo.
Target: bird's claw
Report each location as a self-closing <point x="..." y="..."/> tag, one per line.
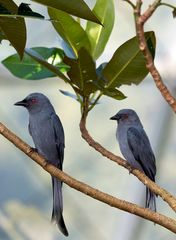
<point x="34" y="149"/>
<point x="129" y="167"/>
<point x="31" y="150"/>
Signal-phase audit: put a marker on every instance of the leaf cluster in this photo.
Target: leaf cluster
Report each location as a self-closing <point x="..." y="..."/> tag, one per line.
<point x="83" y="44"/>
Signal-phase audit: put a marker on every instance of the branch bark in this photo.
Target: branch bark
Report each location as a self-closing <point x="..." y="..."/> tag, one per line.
<point x="164" y="194"/>
<point x="140" y="20"/>
<point x="158" y="218"/>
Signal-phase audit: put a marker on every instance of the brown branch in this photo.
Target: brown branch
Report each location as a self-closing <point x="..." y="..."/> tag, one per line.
<point x="158" y="218"/>
<point x="140" y="20"/>
<point x="166" y="196"/>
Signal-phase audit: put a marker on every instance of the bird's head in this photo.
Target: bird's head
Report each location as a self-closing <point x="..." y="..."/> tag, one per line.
<point x="126" y="116"/>
<point x="34" y="102"/>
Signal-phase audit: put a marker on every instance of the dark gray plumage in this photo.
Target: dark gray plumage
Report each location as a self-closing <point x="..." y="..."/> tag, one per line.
<point x="136" y="148"/>
<point x="47" y="132"/>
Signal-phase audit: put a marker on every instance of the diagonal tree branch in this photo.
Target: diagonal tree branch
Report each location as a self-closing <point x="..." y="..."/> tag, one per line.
<point x="165" y="195"/>
<point x="158" y="218"/>
<point x="140" y="20"/>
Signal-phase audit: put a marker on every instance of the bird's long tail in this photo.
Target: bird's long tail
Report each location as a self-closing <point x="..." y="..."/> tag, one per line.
<point x="58" y="206"/>
<point x="150" y="200"/>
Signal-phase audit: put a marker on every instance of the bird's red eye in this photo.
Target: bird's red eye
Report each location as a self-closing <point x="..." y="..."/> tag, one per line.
<point x="125" y="116"/>
<point x="33" y="100"/>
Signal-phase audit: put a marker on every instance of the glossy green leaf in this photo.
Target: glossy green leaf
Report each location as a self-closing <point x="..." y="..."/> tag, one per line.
<point x="36" y="56"/>
<point x="74" y="7"/>
<point x="98" y="34"/>
<point x="25" y="10"/>
<point x="38" y="67"/>
<point x="8" y="9"/>
<point x="13" y="28"/>
<point x="110" y="92"/>
<point x="114" y="93"/>
<point x="70" y="30"/>
<point x="82" y="72"/>
<point x="128" y="64"/>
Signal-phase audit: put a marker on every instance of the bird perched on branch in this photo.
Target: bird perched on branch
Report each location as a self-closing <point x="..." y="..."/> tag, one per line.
<point x="47" y="133"/>
<point x="136" y="148"/>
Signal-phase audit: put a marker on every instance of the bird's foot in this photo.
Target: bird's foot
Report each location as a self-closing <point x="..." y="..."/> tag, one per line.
<point x="31" y="150"/>
<point x="44" y="164"/>
<point x="34" y="149"/>
<point x="129" y="167"/>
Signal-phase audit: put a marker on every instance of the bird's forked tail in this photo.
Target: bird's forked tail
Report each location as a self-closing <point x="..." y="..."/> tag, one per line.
<point x="58" y="206"/>
<point x="150" y="200"/>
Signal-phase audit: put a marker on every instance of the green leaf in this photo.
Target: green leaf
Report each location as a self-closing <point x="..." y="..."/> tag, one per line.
<point x="8" y="6"/>
<point x="110" y="92"/>
<point x="36" y="69"/>
<point x="22" y="11"/>
<point x="13" y="28"/>
<point x="25" y="10"/>
<point x="70" y="30"/>
<point x="114" y="93"/>
<point x="36" y="56"/>
<point x="4" y="10"/>
<point x="14" y="11"/>
<point x="99" y="35"/>
<point x="128" y="64"/>
<point x="82" y="72"/>
<point x="74" y="7"/>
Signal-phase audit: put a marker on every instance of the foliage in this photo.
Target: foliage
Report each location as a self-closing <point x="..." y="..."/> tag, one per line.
<point x="12" y="23"/>
<point x="87" y="44"/>
<point x="32" y="69"/>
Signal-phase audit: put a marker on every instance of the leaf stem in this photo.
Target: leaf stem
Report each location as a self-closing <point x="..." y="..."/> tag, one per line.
<point x="95" y="102"/>
<point x="54" y="57"/>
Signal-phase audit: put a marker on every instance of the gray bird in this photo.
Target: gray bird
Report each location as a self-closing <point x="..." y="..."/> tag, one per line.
<point x="47" y="133"/>
<point x="136" y="148"/>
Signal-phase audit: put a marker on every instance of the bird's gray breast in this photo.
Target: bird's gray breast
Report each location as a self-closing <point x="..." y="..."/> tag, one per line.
<point x="42" y="133"/>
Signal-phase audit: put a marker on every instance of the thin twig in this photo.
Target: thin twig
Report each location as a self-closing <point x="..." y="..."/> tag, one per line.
<point x="167" y="5"/>
<point x="158" y="218"/>
<point x="130" y="2"/>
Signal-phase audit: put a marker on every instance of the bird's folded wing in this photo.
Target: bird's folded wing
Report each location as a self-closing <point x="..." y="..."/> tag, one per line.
<point x="140" y="146"/>
<point x="59" y="137"/>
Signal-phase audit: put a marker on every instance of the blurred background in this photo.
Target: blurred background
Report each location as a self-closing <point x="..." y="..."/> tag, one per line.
<point x="26" y="196"/>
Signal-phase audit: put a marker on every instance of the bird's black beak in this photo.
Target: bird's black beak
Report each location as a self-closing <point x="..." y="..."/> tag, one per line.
<point x="115" y="117"/>
<point x="21" y="103"/>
